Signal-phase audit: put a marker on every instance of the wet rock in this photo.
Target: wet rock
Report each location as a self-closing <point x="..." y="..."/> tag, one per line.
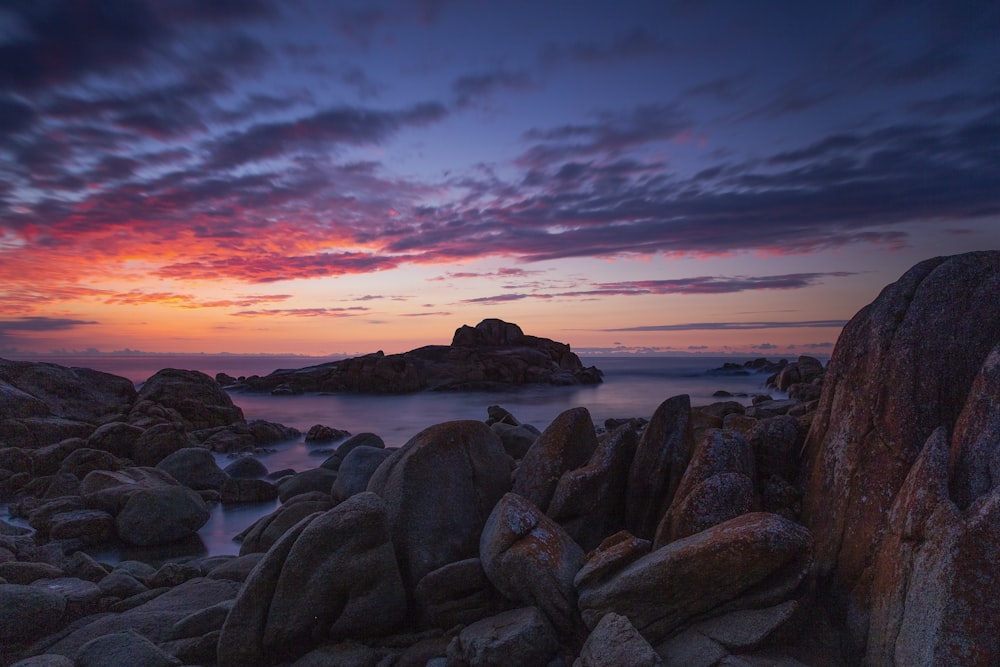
<point x="28" y="613"/>
<point x="235" y="491"/>
<point x="246" y="467"/>
<point x="322" y="433"/>
<point x="317" y="479"/>
<point x="343" y="449"/>
<point x="89" y="526"/>
<point x="110" y="490"/>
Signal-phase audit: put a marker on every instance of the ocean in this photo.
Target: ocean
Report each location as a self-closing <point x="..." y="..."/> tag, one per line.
<point x="633" y="387"/>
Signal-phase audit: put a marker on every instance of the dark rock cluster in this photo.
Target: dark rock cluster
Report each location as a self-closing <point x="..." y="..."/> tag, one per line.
<point x="492" y="355"/>
<point x="857" y="528"/>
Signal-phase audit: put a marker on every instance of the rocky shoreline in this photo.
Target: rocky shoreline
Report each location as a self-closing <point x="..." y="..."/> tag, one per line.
<point x="852" y="523"/>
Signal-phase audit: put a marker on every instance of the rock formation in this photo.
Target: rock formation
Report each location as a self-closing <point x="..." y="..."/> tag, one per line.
<point x="492" y="355"/>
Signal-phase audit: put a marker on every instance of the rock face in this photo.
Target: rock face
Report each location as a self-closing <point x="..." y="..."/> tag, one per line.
<point x="492" y="355"/>
<point x="197" y="398"/>
<point x="752" y="561"/>
<point x="42" y="403"/>
<point x="439" y="488"/>
<point x="333" y="575"/>
<point x="903" y="366"/>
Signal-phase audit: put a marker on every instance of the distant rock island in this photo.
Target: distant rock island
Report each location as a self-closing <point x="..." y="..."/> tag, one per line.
<point x="489" y="356"/>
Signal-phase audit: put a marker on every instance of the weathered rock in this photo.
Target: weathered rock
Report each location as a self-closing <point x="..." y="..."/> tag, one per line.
<point x="44" y="660"/>
<point x="246" y="467"/>
<point x="932" y="600"/>
<point x="236" y="569"/>
<point x="317" y="479"/>
<point x="718" y="454"/>
<point x="47" y="460"/>
<point x="661" y="458"/>
<point x="267" y="530"/>
<point x="81" y="596"/>
<point x="110" y="490"/>
<point x="83" y="566"/>
<point x="199" y="399"/>
<point x="121" y="584"/>
<point x="747" y="629"/>
<point x="776" y="444"/>
<point x="323" y="433"/>
<point x="975" y="452"/>
<point x="457" y="594"/>
<point x="903" y="366"/>
<point x="710" y="502"/>
<point x="202" y="621"/>
<point x="439" y="489"/>
<point x="479" y="358"/>
<point x="356" y="470"/>
<point x="195" y="468"/>
<point x="15" y="459"/>
<point x="566" y="444"/>
<point x="40" y="518"/>
<point x="751" y="561"/>
<point x="28" y="612"/>
<point x="151" y="614"/>
<point x="123" y="648"/>
<point x="530" y="559"/>
<point x="88" y="526"/>
<point x="34" y="389"/>
<point x="343" y="449"/>
<point x="516" y="637"/>
<point x="116" y="438"/>
<point x="589" y="501"/>
<point x="333" y="576"/>
<point x="517" y="440"/>
<point x="158" y="442"/>
<point x="690" y="648"/>
<point x="25" y="572"/>
<point x="161" y="515"/>
<point x="610" y="556"/>
<point x="81" y="461"/>
<point x="615" y="641"/>
<point x="236" y="491"/>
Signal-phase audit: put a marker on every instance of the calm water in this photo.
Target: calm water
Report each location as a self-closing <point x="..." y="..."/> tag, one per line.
<point x="633" y="387"/>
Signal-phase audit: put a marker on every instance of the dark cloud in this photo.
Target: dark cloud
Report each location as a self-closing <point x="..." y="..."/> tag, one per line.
<point x="318" y="132"/>
<point x="635" y="44"/>
<point x="736" y="326"/>
<point x="61" y="40"/>
<point x="15" y="117"/>
<point x="610" y="133"/>
<point x="471" y="88"/>
<point x="40" y="324"/>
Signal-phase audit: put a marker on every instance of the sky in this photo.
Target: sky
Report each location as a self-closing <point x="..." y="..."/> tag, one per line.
<point x="323" y="177"/>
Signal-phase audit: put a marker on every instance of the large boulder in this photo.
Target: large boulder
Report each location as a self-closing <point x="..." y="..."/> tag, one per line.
<point x="457" y="594"/>
<point x="109" y="490"/>
<point x="660" y="460"/>
<point x="932" y="598"/>
<point x="903" y="366"/>
<point x="31" y="389"/>
<point x="589" y="501"/>
<point x="567" y="443"/>
<point x="439" y="489"/>
<point x="531" y="560"/>
<point x="158" y="442"/>
<point x="333" y="576"/>
<point x="615" y="641"/>
<point x="195" y="468"/>
<point x="199" y="399"/>
<point x="356" y="470"/>
<point x="752" y="561"/>
<point x="717" y="486"/>
<point x="123" y="648"/>
<point x="161" y="515"/>
<point x="261" y="535"/>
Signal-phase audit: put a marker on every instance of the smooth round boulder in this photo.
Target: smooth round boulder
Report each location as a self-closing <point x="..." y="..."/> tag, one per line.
<point x="161" y="516"/>
<point x="199" y="399"/>
<point x="356" y="470"/>
<point x="317" y="479"/>
<point x="158" y="442"/>
<point x="246" y="467"/>
<point x="116" y="438"/>
<point x="123" y="648"/>
<point x="195" y="468"/>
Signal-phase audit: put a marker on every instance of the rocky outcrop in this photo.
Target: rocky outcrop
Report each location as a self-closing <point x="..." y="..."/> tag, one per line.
<point x="492" y="355"/>
<point x="903" y="366"/>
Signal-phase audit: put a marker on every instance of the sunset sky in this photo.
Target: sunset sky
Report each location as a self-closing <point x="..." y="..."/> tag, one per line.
<point x="325" y="177"/>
